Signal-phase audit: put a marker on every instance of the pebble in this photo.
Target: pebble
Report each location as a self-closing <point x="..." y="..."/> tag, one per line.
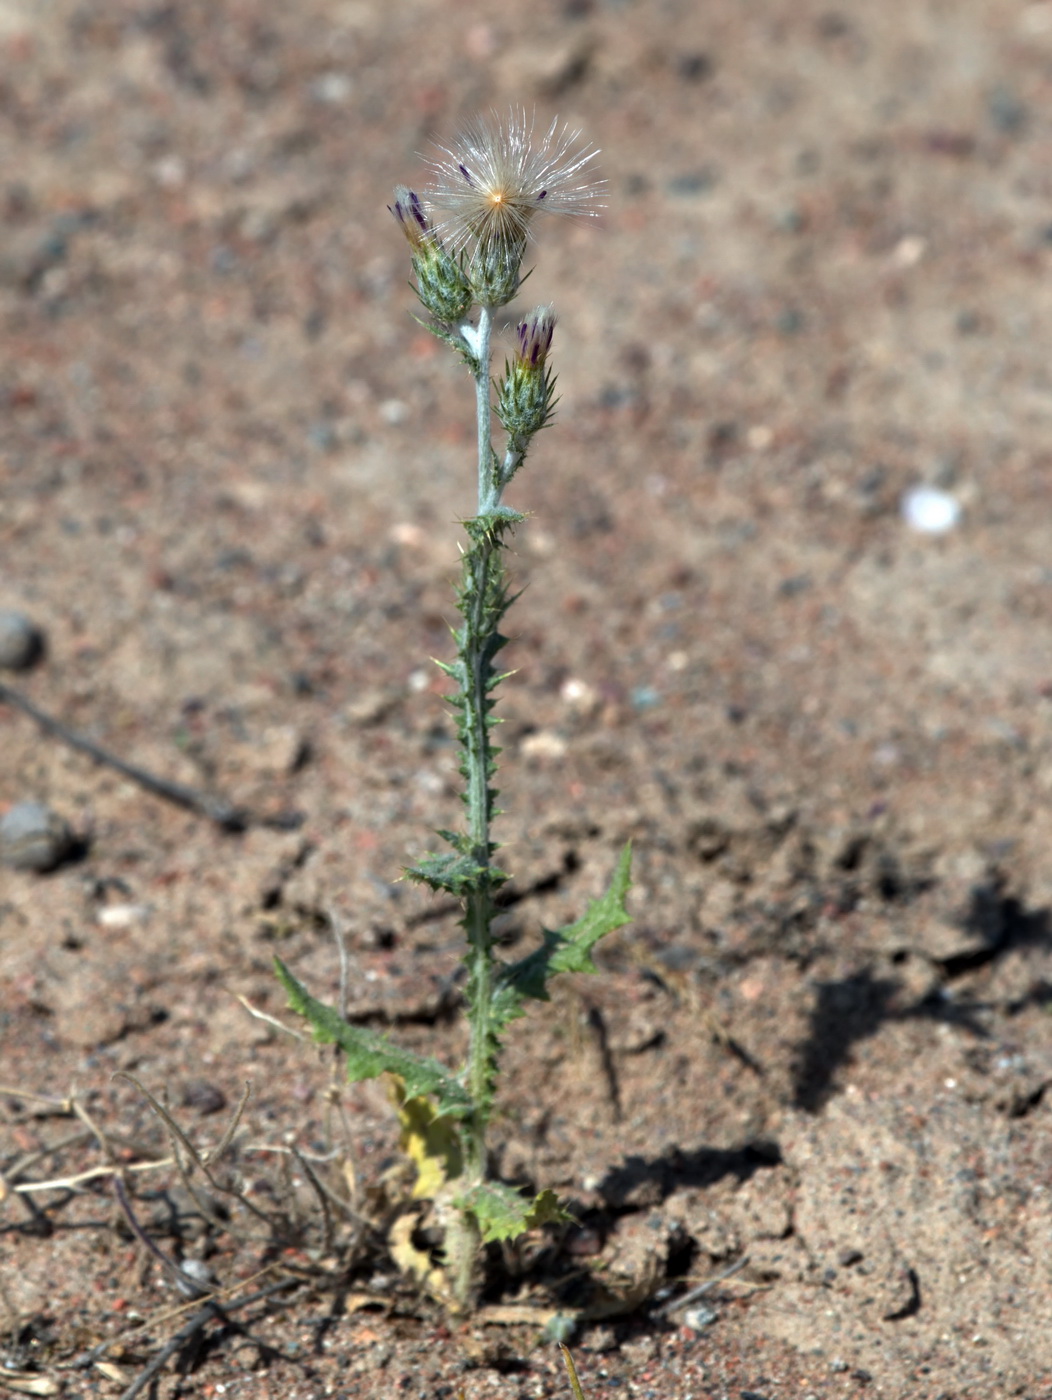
<point x="204" y="1096"/>
<point x="21" y="641"/>
<point x="332" y="88"/>
<point x="693" y="182"/>
<point x="544" y="744"/>
<point x="33" y="837"/>
<point x="123" y="915"/>
<point x="930" y="511"/>
<point x="700" y="1317"/>
<point x="1007" y="112"/>
<point x="199" y="1278"/>
<point x="645" y="697"/>
<point x="580" y="696"/>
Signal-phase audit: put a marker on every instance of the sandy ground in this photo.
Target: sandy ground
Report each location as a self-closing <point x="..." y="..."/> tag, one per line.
<point x="232" y="469"/>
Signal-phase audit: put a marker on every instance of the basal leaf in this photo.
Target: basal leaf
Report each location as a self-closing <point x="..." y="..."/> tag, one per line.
<point x="417" y="1262"/>
<point x="431" y="1140"/>
<point x="504" y="1213"/>
<point x="369" y="1054"/>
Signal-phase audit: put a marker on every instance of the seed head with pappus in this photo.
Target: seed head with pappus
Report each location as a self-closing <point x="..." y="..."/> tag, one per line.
<point x="488" y="186"/>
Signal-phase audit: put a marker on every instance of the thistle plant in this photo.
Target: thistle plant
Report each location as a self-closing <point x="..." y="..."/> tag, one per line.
<point x="468" y="235"/>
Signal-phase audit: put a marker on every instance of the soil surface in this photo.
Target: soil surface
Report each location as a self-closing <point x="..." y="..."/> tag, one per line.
<point x="232" y="471"/>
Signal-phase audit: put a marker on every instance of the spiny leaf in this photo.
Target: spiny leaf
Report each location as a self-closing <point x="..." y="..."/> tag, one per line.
<point x="432" y="1141"/>
<point x="459" y="840"/>
<point x="601" y="917"/>
<point x="566" y="950"/>
<point x="504" y="1213"/>
<point x="456" y="874"/>
<point x="369" y="1054"/>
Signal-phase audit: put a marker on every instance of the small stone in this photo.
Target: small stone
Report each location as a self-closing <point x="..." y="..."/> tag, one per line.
<point x="909" y="251"/>
<point x="930" y="511"/>
<point x="580" y="696"/>
<point x="695" y="67"/>
<point x="1007" y="112"/>
<point x="543" y="745"/>
<point x="33" y="837"/>
<point x="204" y="1096"/>
<point x="122" y="915"/>
<point x="199" y="1278"/>
<point x="333" y="89"/>
<point x="21" y="641"/>
<point x="693" y="182"/>
<point x="700" y="1316"/>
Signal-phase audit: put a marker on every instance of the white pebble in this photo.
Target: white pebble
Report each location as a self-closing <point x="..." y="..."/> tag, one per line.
<point x="578" y="695"/>
<point x="198" y="1277"/>
<point x="699" y="1317"/>
<point x="930" y="511"/>
<point x="122" y="915"/>
<point x="543" y="745"/>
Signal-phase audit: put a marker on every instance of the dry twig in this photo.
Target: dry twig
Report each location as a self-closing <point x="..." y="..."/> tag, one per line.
<point x="216" y="809"/>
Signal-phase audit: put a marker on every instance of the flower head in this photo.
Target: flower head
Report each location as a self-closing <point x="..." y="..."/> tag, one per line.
<point x="412" y="218"/>
<point x="440" y="281"/>
<point x="535" y="337"/>
<point x="492" y="181"/>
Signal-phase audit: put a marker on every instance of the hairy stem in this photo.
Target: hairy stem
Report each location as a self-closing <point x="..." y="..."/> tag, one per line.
<point x="481" y="602"/>
<point x="489" y="493"/>
<point x="482" y="586"/>
<point x="463" y="1247"/>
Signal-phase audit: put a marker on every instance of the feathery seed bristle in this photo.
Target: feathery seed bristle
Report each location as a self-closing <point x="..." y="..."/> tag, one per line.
<point x="489" y="184"/>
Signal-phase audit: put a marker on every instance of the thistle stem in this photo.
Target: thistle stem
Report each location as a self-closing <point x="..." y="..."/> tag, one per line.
<point x="481" y="605"/>
<point x="483" y="571"/>
<point x="489" y="492"/>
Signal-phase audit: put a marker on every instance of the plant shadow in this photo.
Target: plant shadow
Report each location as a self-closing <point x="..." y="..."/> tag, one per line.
<point x="849" y="1010"/>
<point x="639" y="1181"/>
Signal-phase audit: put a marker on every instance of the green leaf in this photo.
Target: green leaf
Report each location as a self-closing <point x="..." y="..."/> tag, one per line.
<point x="601" y="917"/>
<point x="456" y="874"/>
<point x="567" y="950"/>
<point x="504" y="1213"/>
<point x="369" y="1054"/>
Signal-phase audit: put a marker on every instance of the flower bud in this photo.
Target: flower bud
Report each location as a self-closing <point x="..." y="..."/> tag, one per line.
<point x="535" y="337"/>
<point x="524" y="395"/>
<point x="409" y="211"/>
<point x="440" y="282"/>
